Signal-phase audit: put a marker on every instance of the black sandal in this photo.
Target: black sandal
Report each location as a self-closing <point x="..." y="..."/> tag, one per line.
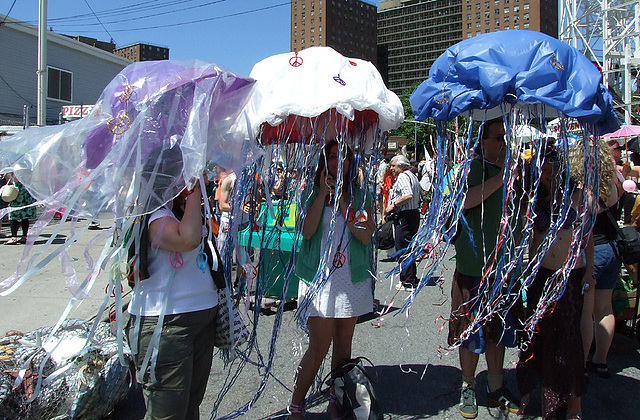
<point x="600" y="369"/>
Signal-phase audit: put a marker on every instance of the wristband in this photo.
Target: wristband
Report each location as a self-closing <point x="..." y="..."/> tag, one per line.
<point x="351" y="216"/>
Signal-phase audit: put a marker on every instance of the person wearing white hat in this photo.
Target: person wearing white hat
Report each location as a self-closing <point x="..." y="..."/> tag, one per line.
<point x="20" y="217"/>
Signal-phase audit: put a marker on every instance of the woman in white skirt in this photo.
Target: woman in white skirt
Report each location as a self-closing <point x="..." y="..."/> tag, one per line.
<point x="348" y="292"/>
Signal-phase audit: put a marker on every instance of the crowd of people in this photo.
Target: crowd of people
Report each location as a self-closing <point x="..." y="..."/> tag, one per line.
<point x="557" y="357"/>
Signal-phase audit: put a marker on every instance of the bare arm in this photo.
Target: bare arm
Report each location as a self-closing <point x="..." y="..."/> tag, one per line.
<point x="225" y="194"/>
<point x="314" y="211"/>
<point x="184" y="235"/>
<point x="401" y="201"/>
<point x="477" y="194"/>
<point x="362" y="228"/>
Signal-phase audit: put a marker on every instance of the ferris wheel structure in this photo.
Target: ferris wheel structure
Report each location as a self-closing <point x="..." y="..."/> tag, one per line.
<point x="608" y="33"/>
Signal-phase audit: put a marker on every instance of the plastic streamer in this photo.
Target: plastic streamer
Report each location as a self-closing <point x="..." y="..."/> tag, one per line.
<point x="150" y="135"/>
<point x="301" y="101"/>
<point x="458" y="85"/>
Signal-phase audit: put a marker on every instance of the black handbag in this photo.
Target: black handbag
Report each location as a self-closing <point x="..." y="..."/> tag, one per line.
<point x="385" y="236"/>
<point x="352" y="387"/>
<point x="628" y="242"/>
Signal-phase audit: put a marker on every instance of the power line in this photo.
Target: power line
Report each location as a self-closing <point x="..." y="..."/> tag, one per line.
<point x="133" y="8"/>
<point x="7" y="15"/>
<point x="201" y="20"/>
<point x="137" y="18"/>
<point x="98" y="19"/>
<point x="14" y="91"/>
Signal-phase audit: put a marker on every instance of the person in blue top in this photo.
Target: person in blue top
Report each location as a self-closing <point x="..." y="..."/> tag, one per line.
<point x="348" y="292"/>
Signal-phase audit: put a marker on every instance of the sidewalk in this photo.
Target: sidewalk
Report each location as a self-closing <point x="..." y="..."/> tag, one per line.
<point x="416" y="380"/>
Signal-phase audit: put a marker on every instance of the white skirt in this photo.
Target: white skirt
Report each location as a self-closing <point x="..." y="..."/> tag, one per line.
<point x="339" y="297"/>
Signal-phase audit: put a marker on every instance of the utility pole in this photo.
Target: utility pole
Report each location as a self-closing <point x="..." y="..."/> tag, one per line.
<point x="42" y="63"/>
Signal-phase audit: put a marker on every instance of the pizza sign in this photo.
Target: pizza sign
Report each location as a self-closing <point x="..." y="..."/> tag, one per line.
<point x="76" y="111"/>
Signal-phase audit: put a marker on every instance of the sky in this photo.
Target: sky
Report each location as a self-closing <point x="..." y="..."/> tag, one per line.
<point x="235" y="34"/>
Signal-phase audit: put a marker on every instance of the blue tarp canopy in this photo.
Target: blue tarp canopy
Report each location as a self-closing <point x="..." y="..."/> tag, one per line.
<point x="526" y="66"/>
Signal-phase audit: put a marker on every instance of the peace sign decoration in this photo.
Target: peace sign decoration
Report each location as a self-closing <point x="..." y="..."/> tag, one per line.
<point x="296" y="61"/>
<point x="176" y="260"/>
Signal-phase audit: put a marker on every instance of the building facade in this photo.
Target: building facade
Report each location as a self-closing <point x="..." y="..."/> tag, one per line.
<point x="484" y="16"/>
<point x="348" y="26"/>
<point x="143" y="52"/>
<point x="77" y="73"/>
<point x="411" y="35"/>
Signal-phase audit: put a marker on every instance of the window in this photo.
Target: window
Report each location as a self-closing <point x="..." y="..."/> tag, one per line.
<point x="506" y="10"/>
<point x="497" y="11"/>
<point x="468" y="26"/>
<point x="486" y="4"/>
<point x="497" y="21"/>
<point x="526" y="6"/>
<point x="526" y="25"/>
<point x="506" y="18"/>
<point x="487" y="22"/>
<point x="468" y="7"/>
<point x="477" y="15"/>
<point x="526" y="16"/>
<point x="302" y="32"/>
<point x="516" y="26"/>
<point x="59" y="84"/>
<point x="469" y="35"/>
<point x="477" y="6"/>
<point x="516" y="8"/>
<point x="469" y="17"/>
<point x="478" y="24"/>
<point x="487" y="14"/>
<point x="506" y="28"/>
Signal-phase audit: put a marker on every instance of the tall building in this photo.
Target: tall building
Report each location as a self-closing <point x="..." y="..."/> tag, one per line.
<point x="411" y="35"/>
<point x="105" y="46"/>
<point x="143" y="52"/>
<point x="483" y="16"/>
<point x="348" y="26"/>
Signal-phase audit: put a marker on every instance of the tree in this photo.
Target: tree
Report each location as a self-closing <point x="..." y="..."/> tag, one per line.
<point x="423" y="132"/>
<point x="419" y="133"/>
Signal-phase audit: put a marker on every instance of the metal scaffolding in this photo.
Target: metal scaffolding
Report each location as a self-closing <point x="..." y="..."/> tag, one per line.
<point x="608" y="33"/>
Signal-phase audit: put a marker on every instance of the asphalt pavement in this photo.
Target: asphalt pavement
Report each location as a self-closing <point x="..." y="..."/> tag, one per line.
<point x="416" y="378"/>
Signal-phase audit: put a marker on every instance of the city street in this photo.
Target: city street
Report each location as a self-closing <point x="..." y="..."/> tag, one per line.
<point x="415" y="379"/>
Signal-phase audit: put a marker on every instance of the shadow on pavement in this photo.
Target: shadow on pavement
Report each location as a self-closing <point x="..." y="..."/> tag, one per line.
<point x="59" y="239"/>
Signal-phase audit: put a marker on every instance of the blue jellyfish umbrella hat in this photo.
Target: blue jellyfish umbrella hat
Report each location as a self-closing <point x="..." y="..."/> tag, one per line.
<point x="524" y="77"/>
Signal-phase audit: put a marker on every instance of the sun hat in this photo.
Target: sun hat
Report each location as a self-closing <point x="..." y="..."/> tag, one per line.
<point x="9" y="193"/>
